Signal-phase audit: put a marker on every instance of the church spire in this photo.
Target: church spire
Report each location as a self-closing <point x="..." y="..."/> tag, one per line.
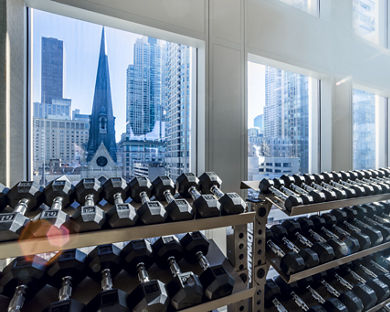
<point x="102" y="120"/>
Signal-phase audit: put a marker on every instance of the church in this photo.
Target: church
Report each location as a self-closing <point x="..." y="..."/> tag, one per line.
<point x="101" y="149"/>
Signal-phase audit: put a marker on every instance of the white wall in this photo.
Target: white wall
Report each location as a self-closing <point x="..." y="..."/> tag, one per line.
<point x="225" y="31"/>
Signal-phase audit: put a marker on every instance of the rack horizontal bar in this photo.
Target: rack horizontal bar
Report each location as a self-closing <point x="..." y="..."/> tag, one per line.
<point x="43" y="245"/>
<point x="275" y="261"/>
<point x="304" y="209"/>
<point x="379" y="306"/>
<point x="215" y="304"/>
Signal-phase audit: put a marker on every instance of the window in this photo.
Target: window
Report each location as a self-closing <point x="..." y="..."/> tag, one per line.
<point x="368" y="145"/>
<point x="280" y="121"/>
<point x="309" y="6"/>
<point x="126" y="97"/>
<point x="370" y="20"/>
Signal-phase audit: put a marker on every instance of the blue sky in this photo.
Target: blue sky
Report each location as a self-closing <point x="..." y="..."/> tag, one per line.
<point x="81" y="50"/>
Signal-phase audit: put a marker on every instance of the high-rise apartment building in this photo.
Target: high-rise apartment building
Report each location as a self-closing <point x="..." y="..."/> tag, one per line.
<point x="177" y="101"/>
<point x="51" y="69"/>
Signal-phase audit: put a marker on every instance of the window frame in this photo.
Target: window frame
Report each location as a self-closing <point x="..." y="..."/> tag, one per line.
<point x="197" y="77"/>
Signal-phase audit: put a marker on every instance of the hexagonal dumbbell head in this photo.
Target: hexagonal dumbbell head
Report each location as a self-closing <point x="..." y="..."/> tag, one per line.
<point x="89" y="216"/>
<point x="121" y="214"/>
<point x="24" y="196"/>
<point x="216" y="281"/>
<point x="54" y="222"/>
<point x="184" y="182"/>
<point x="149" y="295"/>
<point x="71" y="263"/>
<point x="3" y="196"/>
<point x="184" y="289"/>
<point x="231" y="203"/>
<point x="104" y="257"/>
<point x="28" y="270"/>
<point x="177" y="209"/>
<point x="150" y="212"/>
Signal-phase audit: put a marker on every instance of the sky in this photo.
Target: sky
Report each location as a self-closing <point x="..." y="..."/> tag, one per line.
<point x="81" y="51"/>
<point x="256" y="91"/>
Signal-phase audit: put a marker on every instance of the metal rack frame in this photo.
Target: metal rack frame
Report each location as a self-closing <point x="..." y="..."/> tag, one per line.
<point x="263" y="260"/>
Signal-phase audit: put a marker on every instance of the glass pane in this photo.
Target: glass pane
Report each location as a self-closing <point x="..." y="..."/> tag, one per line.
<point x="309" y="6"/>
<point x="278" y="122"/>
<point x="366" y="19"/>
<point x="108" y="102"/>
<point x="364" y="129"/>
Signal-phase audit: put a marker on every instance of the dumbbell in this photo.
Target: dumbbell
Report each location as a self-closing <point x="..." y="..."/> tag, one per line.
<point x="290" y="262"/>
<point x="206" y="205"/>
<point x="177" y="209"/>
<point x="89" y="216"/>
<point x="324" y="251"/>
<point x="381" y="289"/>
<point x="3" y="196"/>
<point x="24" y="196"/>
<point x="364" y="212"/>
<point x="360" y="189"/>
<point x="149" y="295"/>
<point x="272" y="295"/>
<point x="277" y="233"/>
<point x="185" y="288"/>
<point x="231" y="203"/>
<point x="103" y="263"/>
<point x="53" y="221"/>
<point x="326" y="223"/>
<point x="374" y="269"/>
<point x="372" y="176"/>
<point x="279" y="184"/>
<point x="347" y="297"/>
<point x="150" y="212"/>
<point x="267" y="186"/>
<point x="375" y="234"/>
<point x="377" y="212"/>
<point x="327" y="180"/>
<point x="345" y="230"/>
<point x="366" y="294"/>
<point x="293" y="291"/>
<point x="22" y="278"/>
<point x="340" y="248"/>
<point x="313" y="195"/>
<point x="307" y="181"/>
<point x="121" y="214"/>
<point x="357" y="177"/>
<point x="216" y="281"/>
<point x="66" y="271"/>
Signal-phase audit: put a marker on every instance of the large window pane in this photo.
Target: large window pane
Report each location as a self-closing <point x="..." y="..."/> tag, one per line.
<point x="279" y="106"/>
<point x="309" y="6"/>
<point x="369" y="20"/>
<point x="365" y="125"/>
<point x="108" y="102"/>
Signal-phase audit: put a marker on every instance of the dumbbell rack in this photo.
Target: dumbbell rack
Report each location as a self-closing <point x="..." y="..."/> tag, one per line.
<point x="263" y="260"/>
<point x="237" y="264"/>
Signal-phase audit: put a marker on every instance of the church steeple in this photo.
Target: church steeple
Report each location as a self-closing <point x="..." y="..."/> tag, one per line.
<point x="102" y="120"/>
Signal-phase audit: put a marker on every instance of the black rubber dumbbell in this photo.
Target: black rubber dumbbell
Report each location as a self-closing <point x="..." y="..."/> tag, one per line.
<point x="24" y="196"/>
<point x="22" y="279"/>
<point x="267" y="186"/>
<point x="149" y="295"/>
<point x="313" y="195"/>
<point x="290" y="262"/>
<point x="67" y="270"/>
<point x="272" y="296"/>
<point x="329" y="192"/>
<point x="178" y="209"/>
<point x="185" y="288"/>
<point x="325" y="251"/>
<point x="278" y="234"/>
<point x="356" y="178"/>
<point x="216" y="281"/>
<point x="279" y="184"/>
<point x="150" y="212"/>
<point x="206" y="205"/>
<point x="364" y="213"/>
<point x="121" y="214"/>
<point x="327" y="180"/>
<point x="54" y="221"/>
<point x="104" y="262"/>
<point x="360" y="189"/>
<point x="231" y="203"/>
<point x="89" y="216"/>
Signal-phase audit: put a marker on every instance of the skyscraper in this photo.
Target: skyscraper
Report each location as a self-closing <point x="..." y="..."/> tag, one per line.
<point x="51" y="69"/>
<point x="177" y="101"/>
<point x="102" y="121"/>
<point x="144" y="88"/>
